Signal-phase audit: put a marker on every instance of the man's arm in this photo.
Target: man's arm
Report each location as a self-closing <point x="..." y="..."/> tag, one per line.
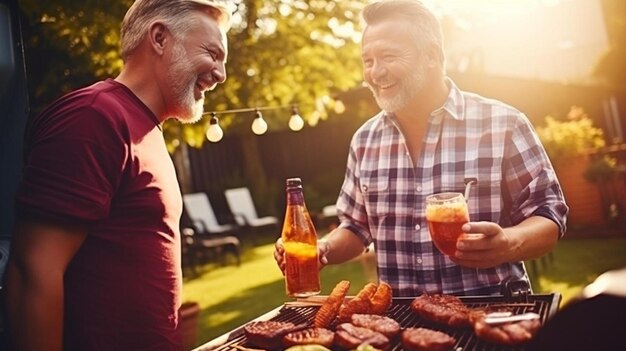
<point x="39" y="256"/>
<point x="488" y="245"/>
<point x="342" y="245"/>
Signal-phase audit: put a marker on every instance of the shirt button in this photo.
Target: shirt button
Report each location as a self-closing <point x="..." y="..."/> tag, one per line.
<point x="364" y="187"/>
<point x="419" y="189"/>
<point x="417" y="227"/>
<point x="419" y="260"/>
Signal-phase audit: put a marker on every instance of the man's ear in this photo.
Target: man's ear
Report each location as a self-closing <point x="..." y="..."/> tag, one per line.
<point x="435" y="55"/>
<point x="157" y="35"/>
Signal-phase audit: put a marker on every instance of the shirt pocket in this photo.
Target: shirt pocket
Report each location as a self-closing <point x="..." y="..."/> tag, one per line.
<point x="484" y="200"/>
<point x="374" y="185"/>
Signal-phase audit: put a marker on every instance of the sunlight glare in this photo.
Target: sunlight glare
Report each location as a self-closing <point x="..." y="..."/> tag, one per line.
<point x="537" y="39"/>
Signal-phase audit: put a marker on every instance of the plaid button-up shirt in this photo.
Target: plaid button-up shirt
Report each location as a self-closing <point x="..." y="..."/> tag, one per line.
<point x="383" y="194"/>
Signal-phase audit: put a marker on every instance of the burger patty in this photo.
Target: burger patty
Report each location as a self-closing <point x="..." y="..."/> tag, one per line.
<point x="269" y="334"/>
<point x="423" y="339"/>
<point x="317" y="336"/>
<point x="384" y="325"/>
<point x="509" y="333"/>
<point x="443" y="309"/>
<point x="349" y="337"/>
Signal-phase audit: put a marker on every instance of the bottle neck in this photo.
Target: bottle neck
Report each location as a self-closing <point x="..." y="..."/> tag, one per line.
<point x="295" y="197"/>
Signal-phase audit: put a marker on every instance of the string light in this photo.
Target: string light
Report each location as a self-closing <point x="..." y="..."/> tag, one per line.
<point x="296" y="122"/>
<point x="259" y="126"/>
<point x="214" y="133"/>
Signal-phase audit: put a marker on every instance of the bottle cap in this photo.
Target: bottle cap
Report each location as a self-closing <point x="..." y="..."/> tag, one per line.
<point x="294" y="182"/>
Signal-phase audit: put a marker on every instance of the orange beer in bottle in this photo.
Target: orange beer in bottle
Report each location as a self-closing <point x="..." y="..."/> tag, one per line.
<point x="302" y="276"/>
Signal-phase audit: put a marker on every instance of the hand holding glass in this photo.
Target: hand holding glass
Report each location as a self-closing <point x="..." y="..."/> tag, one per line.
<point x="446" y="213"/>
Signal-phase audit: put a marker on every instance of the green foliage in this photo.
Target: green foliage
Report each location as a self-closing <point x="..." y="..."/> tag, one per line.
<point x="600" y="170"/>
<point x="280" y="53"/>
<point x="69" y="44"/>
<point x="575" y="136"/>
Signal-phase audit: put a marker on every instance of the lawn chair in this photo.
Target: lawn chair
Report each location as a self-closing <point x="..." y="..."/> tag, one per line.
<point x="327" y="219"/>
<point x="202" y="216"/>
<point x="242" y="207"/>
<point x="208" y="236"/>
<point x="198" y="248"/>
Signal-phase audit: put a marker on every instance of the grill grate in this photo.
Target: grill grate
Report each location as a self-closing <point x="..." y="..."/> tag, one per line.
<point x="544" y="305"/>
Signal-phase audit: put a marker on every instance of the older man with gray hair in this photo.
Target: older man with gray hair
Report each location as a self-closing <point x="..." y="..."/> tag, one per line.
<point x="95" y="259"/>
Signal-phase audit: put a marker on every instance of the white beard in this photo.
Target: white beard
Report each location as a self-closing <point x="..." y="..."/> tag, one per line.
<point x="410" y="86"/>
<point x="182" y="82"/>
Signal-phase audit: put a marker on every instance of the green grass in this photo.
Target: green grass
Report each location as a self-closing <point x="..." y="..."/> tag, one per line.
<point x="578" y="262"/>
<point x="230" y="296"/>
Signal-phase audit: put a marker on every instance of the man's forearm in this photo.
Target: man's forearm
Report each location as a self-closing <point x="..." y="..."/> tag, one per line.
<point x="537" y="234"/>
<point x="343" y="246"/>
<point x="35" y="311"/>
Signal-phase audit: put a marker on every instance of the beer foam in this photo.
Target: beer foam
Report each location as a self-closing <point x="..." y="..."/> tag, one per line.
<point x="454" y="212"/>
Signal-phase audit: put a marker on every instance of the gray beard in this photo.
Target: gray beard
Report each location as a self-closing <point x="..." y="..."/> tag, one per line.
<point x="187" y="109"/>
<point x="411" y="86"/>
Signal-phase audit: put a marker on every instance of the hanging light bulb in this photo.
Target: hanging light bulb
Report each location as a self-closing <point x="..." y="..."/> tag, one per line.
<point x="214" y="133"/>
<point x="259" y="126"/>
<point x="295" y="122"/>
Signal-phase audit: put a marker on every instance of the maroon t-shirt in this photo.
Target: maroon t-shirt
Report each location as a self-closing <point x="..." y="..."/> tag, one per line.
<point x="97" y="157"/>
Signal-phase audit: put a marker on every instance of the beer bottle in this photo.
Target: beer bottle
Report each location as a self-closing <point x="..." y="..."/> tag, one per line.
<point x="302" y="277"/>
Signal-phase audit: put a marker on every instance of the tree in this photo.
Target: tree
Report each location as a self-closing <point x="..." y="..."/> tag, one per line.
<point x="612" y="65"/>
<point x="280" y="53"/>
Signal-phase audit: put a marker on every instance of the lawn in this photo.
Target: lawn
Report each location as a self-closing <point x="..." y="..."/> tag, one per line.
<point x="230" y="296"/>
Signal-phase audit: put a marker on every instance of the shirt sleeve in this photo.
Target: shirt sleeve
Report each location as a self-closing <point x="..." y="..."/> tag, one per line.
<point x="350" y="204"/>
<point x="530" y="180"/>
<point x="74" y="162"/>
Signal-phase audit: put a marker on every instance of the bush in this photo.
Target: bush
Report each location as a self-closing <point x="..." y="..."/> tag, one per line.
<point x="575" y="136"/>
<point x="600" y="170"/>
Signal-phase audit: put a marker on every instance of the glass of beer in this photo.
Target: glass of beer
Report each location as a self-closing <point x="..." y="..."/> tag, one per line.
<point x="446" y="213"/>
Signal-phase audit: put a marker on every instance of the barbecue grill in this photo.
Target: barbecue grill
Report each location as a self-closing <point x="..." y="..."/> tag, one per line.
<point x="546" y="305"/>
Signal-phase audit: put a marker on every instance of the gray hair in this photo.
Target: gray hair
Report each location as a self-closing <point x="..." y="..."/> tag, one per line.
<point x="176" y="14"/>
<point x="426" y="28"/>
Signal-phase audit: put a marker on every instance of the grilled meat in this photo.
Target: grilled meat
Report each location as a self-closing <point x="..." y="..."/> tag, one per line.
<point x="443" y="309"/>
<point x="384" y="325"/>
<point x="309" y="336"/>
<point x="423" y="339"/>
<point x="512" y="333"/>
<point x="381" y="299"/>
<point x="349" y="336"/>
<point x="269" y="334"/>
<point x="359" y="304"/>
<point x="330" y="308"/>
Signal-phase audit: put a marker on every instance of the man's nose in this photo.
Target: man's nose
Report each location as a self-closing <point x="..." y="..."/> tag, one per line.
<point x="219" y="73"/>
<point x="378" y="70"/>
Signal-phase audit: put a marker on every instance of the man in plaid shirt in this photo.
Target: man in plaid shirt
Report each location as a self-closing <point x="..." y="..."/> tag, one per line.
<point x="432" y="137"/>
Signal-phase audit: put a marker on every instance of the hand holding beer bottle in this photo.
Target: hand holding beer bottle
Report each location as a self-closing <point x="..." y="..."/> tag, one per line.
<point x="299" y="240"/>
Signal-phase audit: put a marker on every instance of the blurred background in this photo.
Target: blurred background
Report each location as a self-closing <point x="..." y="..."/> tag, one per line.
<point x="542" y="56"/>
<point x="562" y="62"/>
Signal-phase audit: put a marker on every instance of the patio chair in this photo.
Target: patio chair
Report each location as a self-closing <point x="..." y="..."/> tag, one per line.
<point x="327" y="218"/>
<point x="202" y="217"/>
<point x="203" y="235"/>
<point x="198" y="248"/>
<point x="242" y="207"/>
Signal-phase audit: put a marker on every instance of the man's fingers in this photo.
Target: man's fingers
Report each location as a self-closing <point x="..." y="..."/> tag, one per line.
<point x="486" y="228"/>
